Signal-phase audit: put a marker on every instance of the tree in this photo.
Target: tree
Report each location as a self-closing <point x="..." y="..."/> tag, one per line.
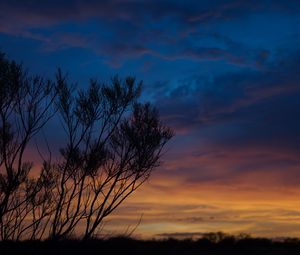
<point x="25" y="107"/>
<point x="112" y="143"/>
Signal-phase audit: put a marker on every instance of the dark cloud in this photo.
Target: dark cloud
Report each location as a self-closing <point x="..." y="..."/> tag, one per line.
<point x="128" y="9"/>
<point x="259" y="106"/>
<point x="181" y="235"/>
<point x="49" y="12"/>
<point x="135" y="28"/>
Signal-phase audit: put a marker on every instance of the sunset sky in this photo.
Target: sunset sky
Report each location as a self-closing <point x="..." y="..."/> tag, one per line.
<point x="225" y="75"/>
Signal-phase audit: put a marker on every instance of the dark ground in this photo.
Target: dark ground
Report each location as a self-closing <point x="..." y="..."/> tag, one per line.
<point x="124" y="246"/>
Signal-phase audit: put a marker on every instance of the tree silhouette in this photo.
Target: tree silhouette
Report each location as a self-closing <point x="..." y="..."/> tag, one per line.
<point x="25" y="107"/>
<point x="111" y="145"/>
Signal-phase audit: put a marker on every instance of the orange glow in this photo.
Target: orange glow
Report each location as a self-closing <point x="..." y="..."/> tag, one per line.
<point x="254" y="202"/>
<point x="203" y="192"/>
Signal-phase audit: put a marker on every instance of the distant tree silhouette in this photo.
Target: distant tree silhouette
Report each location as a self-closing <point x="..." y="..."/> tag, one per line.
<point x="112" y="144"/>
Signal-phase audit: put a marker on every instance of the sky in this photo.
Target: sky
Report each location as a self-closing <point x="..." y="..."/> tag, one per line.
<point x="225" y="75"/>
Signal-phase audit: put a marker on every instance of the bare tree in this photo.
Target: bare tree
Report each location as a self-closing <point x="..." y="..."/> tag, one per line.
<point x="25" y="107"/>
<point x="111" y="145"/>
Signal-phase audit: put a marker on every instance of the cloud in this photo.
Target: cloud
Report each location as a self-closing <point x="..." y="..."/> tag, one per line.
<point x="242" y="108"/>
<point x="181" y="235"/>
<point x="47" y="12"/>
<point x="224" y="210"/>
<point x="123" y="30"/>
